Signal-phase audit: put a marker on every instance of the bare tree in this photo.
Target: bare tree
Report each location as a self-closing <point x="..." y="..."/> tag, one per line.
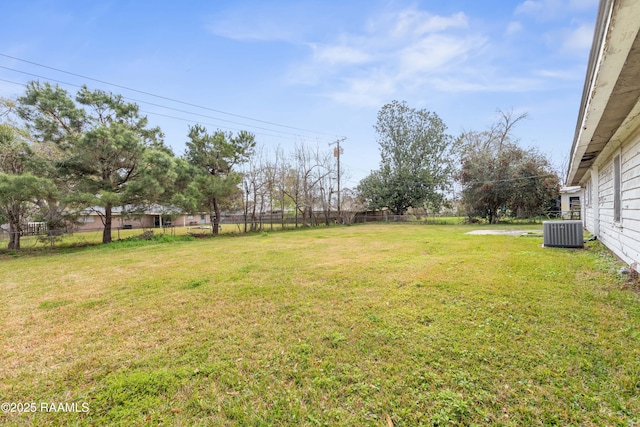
<point x="303" y="181"/>
<point x="351" y="205"/>
<point x="310" y="169"/>
<point x="282" y="172"/>
<point x="270" y="175"/>
<point x="327" y="182"/>
<point x="494" y="138"/>
<point x="254" y="183"/>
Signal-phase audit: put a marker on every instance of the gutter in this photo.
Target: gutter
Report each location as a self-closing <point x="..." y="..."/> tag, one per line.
<point x="603" y="21"/>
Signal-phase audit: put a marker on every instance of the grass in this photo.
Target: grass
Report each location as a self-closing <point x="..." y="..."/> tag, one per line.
<point x="417" y="324"/>
<point x="94" y="237"/>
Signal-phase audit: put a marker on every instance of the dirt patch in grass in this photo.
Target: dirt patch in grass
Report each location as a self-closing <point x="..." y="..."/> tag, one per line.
<point x="505" y="232"/>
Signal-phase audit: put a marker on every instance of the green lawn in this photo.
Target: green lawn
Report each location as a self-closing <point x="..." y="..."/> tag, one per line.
<point x="94" y="237"/>
<point x="344" y="326"/>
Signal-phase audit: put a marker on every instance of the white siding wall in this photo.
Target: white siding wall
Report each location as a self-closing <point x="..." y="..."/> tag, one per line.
<point x="588" y="211"/>
<point x="622" y="238"/>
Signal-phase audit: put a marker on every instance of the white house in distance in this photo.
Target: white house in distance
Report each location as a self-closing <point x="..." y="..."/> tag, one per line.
<point x="152" y="217"/>
<point x="605" y="156"/>
<point x="570" y="202"/>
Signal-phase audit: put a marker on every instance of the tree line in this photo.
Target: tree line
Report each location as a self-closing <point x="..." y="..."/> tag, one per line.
<point x="485" y="172"/>
<point x="62" y="155"/>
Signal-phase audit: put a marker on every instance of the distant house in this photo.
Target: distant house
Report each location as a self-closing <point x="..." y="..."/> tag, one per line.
<point x="605" y="156"/>
<point x="571" y="202"/>
<point x="151" y="217"/>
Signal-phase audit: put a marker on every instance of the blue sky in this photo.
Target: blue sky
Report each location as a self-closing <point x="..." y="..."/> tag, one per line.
<point x="312" y="71"/>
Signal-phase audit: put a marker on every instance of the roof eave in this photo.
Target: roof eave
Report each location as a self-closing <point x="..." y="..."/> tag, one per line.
<point x="611" y="88"/>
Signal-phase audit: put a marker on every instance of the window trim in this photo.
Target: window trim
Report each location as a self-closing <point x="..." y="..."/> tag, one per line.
<point x="617" y="189"/>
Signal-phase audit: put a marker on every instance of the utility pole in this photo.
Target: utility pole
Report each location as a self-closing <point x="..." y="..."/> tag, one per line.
<point x="336" y="153"/>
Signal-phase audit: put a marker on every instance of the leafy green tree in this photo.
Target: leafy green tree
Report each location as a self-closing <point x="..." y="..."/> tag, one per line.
<point x="109" y="153"/>
<point x="42" y="156"/>
<point x="214" y="157"/>
<point x="415" y="166"/>
<point x="21" y="193"/>
<point x="15" y="150"/>
<point x="498" y="176"/>
<point x="537" y="188"/>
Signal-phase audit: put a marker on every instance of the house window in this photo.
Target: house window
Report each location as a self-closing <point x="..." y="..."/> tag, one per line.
<point x="617" y="205"/>
<point x="587" y="194"/>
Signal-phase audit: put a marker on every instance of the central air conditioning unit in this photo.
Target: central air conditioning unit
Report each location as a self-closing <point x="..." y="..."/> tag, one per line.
<point x="563" y="234"/>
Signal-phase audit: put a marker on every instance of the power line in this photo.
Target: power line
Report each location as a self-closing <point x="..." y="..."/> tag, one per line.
<point x="38" y="76"/>
<point x="162" y="106"/>
<point x="357" y="168"/>
<point x="297" y="136"/>
<point x="522" y="178"/>
<point x="164" y="97"/>
<point x="10" y="81"/>
<point x="223" y="127"/>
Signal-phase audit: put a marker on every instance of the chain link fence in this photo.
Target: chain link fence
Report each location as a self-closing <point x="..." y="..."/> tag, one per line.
<point x="41" y="237"/>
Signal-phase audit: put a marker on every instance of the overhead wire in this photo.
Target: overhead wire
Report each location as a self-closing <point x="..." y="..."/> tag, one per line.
<point x="11" y="81"/>
<point x="291" y="134"/>
<point x="144" y="102"/>
<point x="164" y="97"/>
<point x="510" y="179"/>
<point x="218" y="126"/>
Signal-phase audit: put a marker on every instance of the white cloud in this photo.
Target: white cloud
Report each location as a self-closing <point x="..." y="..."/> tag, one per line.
<point x="261" y="21"/>
<point x="548" y="10"/>
<point x="370" y="91"/>
<point x="579" y="39"/>
<point x="453" y="84"/>
<point x="567" y="24"/>
<point x="514" y="27"/>
<point x="373" y="91"/>
<point x="258" y="31"/>
<point x="574" y="74"/>
<point x="412" y="51"/>
<point x="530" y="7"/>
<point x="412" y="22"/>
<point x="436" y="54"/>
<point x="396" y="52"/>
<point x="582" y="4"/>
<point x="575" y="41"/>
<point x="339" y="54"/>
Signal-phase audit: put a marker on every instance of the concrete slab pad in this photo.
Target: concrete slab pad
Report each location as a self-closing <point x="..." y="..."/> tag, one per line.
<point x="505" y="232"/>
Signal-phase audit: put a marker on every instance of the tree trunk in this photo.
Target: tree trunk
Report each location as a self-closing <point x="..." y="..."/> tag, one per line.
<point x="245" y="207"/>
<point x="216" y="218"/>
<point x="106" y="233"/>
<point x="254" y="225"/>
<point x="14" y="236"/>
<point x="282" y="210"/>
<point x="271" y="215"/>
<point x="493" y="215"/>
